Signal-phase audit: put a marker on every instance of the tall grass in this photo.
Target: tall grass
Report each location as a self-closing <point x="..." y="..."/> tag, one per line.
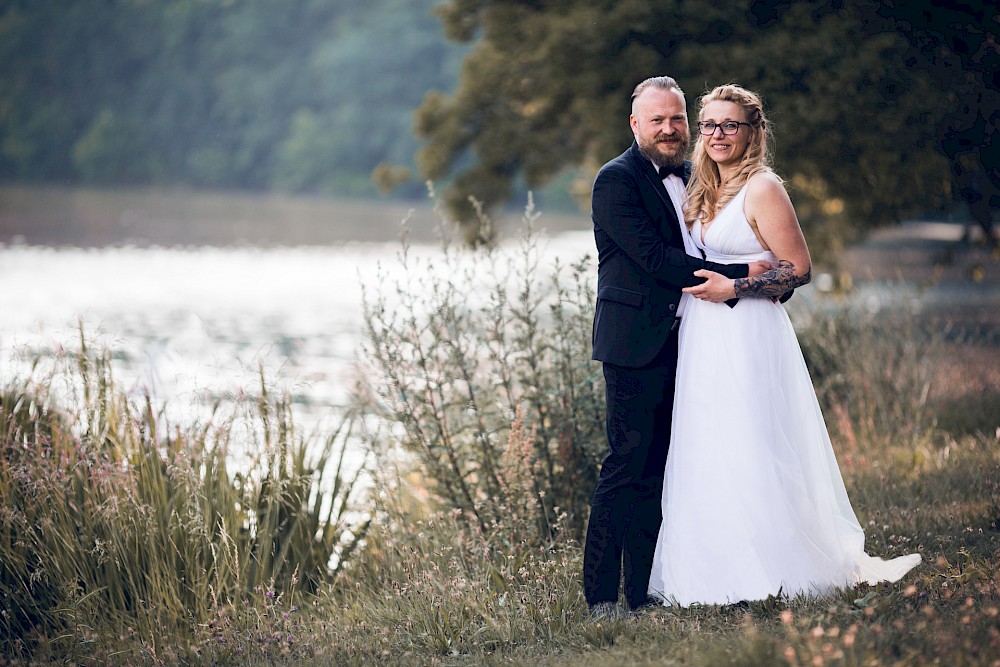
<point x="113" y="521"/>
<point x="873" y="371"/>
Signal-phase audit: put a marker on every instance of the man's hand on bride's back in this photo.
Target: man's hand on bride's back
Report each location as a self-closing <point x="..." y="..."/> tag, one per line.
<point x="758" y="267"/>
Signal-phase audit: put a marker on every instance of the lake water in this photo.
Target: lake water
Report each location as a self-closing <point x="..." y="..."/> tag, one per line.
<point x="193" y="325"/>
<point x="190" y="326"/>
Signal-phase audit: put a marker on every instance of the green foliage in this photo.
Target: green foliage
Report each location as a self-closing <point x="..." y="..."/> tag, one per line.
<point x="854" y="90"/>
<point x="312" y="96"/>
<point x="307" y="96"/>
<point x="481" y="363"/>
<point x="112" y="151"/>
<point x="432" y="587"/>
<point x="110" y="517"/>
<point x="60" y="67"/>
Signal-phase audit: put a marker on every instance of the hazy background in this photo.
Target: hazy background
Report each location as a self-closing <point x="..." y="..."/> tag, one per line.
<point x="204" y="184"/>
<point x="881" y="112"/>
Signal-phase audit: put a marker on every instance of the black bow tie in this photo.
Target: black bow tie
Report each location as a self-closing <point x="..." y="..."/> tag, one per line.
<point x="677" y="171"/>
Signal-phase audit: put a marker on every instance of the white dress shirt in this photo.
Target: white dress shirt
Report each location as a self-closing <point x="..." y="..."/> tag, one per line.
<point x="675" y="188"/>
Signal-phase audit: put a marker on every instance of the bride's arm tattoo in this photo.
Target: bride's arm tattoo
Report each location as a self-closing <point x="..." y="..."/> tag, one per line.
<point x="772" y="283"/>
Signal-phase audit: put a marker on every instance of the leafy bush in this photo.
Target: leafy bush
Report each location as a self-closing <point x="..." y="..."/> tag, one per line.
<point x="480" y="362"/>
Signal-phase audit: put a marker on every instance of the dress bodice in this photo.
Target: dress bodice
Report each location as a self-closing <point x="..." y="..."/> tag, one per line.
<point x="730" y="239"/>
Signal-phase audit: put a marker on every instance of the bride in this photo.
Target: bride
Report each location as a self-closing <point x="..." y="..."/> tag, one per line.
<point x="753" y="500"/>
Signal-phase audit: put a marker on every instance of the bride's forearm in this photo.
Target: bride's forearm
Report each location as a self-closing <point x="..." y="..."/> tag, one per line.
<point x="772" y="283"/>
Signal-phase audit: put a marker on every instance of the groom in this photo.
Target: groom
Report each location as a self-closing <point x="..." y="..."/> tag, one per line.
<point x="645" y="258"/>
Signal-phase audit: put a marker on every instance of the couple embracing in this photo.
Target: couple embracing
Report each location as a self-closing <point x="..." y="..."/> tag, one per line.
<point x="720" y="484"/>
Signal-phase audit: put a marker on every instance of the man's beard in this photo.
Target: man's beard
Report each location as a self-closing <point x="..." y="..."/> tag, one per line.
<point x="648" y="150"/>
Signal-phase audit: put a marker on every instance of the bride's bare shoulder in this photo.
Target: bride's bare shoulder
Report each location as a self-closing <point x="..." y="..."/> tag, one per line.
<point x="764" y="182"/>
<point x="766" y="187"/>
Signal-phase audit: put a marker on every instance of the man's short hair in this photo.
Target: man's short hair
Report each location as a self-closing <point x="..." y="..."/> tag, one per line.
<point x="662" y="82"/>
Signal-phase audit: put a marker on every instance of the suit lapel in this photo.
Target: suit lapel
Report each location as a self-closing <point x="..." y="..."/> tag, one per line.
<point x="670" y="224"/>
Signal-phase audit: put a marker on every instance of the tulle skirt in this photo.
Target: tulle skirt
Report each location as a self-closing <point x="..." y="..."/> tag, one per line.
<point x="753" y="500"/>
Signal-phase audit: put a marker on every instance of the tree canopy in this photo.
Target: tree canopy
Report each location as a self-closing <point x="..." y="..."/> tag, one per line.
<point x="869" y="99"/>
<point x="303" y="95"/>
<point x="880" y="110"/>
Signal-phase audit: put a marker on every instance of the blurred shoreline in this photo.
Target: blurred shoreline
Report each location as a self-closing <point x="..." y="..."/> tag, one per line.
<point x="95" y="218"/>
<point x="194" y="289"/>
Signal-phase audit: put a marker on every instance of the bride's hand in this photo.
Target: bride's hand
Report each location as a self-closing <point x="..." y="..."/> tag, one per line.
<point x="758" y="267"/>
<point x="716" y="288"/>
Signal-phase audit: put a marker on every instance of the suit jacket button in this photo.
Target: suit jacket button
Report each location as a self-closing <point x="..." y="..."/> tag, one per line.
<point x="672" y="306"/>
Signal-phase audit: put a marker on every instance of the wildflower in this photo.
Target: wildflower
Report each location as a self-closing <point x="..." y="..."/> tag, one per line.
<point x="786" y="616"/>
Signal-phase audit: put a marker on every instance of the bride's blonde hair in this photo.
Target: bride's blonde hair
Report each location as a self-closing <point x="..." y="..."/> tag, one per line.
<point x="705" y="193"/>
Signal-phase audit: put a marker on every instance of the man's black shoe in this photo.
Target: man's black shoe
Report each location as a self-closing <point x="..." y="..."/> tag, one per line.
<point x="647" y="604"/>
<point x="607" y="611"/>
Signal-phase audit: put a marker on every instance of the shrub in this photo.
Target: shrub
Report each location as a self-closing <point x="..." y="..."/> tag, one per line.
<point x="467" y="341"/>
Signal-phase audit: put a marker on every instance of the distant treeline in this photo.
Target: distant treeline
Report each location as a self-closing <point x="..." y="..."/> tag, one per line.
<point x="882" y="110"/>
<point x="303" y="96"/>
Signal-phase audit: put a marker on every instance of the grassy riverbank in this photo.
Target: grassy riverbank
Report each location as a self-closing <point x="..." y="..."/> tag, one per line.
<point x="126" y="540"/>
<point x="125" y="566"/>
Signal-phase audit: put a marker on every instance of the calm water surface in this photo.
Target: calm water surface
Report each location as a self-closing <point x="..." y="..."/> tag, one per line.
<point x="189" y="326"/>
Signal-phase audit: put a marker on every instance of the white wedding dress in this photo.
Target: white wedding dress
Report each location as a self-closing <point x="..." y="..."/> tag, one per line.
<point x="753" y="499"/>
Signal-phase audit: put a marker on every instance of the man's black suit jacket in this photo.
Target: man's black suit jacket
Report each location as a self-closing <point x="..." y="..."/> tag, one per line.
<point x="642" y="265"/>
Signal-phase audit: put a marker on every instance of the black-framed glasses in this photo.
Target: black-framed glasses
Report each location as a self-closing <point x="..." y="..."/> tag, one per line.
<point x="728" y="127"/>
